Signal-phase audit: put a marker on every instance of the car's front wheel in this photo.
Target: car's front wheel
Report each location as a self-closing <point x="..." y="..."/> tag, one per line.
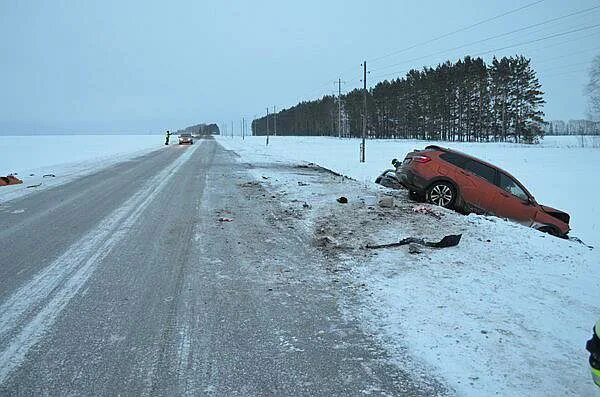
<point x="442" y="194"/>
<point x="551" y="230"/>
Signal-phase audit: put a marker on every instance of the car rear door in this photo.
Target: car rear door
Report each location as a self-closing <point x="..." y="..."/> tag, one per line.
<point x="512" y="201"/>
<point x="478" y="179"/>
<point x="464" y="181"/>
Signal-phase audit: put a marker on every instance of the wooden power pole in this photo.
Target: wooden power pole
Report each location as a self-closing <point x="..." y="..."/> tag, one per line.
<point x="364" y="129"/>
<point x="267" y="126"/>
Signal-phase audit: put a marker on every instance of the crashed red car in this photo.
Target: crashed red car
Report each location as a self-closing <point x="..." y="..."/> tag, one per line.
<point x="456" y="180"/>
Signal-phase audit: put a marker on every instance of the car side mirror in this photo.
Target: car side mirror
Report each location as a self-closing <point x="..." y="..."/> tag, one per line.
<point x="395" y="162"/>
<point x="531" y="201"/>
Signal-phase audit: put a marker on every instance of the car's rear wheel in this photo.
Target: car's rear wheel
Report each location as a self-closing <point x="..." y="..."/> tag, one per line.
<point x="441" y="193"/>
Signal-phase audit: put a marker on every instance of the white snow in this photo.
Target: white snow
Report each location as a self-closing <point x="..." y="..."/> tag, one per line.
<point x="508" y="311"/>
<point x="66" y="156"/>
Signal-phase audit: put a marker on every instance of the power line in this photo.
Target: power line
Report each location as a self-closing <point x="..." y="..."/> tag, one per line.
<point x="566" y="66"/>
<point x="458" y="30"/>
<point x="440" y="37"/>
<point x="493" y="37"/>
<point x="541" y="39"/>
<point x="579" y="71"/>
<point x="511" y="46"/>
<point x="567" y="55"/>
<point x="587" y="10"/>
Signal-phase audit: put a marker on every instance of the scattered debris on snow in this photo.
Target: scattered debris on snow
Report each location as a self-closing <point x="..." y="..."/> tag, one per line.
<point x="10" y="180"/>
<point x="451" y="240"/>
<point x="531" y="294"/>
<point x="427" y="210"/>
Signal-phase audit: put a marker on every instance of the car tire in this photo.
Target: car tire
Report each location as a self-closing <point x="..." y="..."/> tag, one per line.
<point x="441" y="193"/>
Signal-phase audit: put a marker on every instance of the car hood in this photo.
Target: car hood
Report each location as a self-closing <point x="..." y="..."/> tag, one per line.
<point x="558" y="214"/>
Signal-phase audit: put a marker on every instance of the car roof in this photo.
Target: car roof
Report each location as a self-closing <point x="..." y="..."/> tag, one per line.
<point x="448" y="150"/>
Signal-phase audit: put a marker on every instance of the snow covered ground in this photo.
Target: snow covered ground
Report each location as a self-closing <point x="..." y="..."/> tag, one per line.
<point x="507" y="312"/>
<point x="557" y="171"/>
<point x="66" y="156"/>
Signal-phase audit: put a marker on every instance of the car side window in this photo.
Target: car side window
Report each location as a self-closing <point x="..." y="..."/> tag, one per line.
<point x="453" y="158"/>
<point x="509" y="185"/>
<point x="481" y="170"/>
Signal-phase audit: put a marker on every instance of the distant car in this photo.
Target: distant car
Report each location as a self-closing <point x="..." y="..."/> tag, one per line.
<point x="452" y="179"/>
<point x="186" y="138"/>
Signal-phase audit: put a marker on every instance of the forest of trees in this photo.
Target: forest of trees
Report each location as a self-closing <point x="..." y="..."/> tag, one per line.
<point x="201" y="129"/>
<point x="463" y="101"/>
<point x="572" y="127"/>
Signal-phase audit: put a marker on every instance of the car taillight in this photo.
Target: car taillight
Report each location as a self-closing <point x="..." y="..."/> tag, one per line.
<point x="421" y="159"/>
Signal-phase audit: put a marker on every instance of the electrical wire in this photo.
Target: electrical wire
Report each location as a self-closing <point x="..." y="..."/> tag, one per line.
<point x="457" y="31"/>
<point x="587" y="10"/>
<point x="513" y="45"/>
<point x="442" y="36"/>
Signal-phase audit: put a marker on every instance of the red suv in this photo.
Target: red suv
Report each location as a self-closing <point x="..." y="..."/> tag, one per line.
<point x="456" y="180"/>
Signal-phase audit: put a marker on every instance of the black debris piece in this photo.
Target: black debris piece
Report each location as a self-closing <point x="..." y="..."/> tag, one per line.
<point x="448" y="241"/>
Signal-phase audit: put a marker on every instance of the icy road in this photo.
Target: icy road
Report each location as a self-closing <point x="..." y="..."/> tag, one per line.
<point x="128" y="282"/>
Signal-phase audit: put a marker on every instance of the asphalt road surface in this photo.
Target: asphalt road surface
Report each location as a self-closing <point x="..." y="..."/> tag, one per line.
<point x="125" y="282"/>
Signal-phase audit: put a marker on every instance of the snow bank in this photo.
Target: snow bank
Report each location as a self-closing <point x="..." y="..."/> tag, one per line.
<point x="556" y="171"/>
<point x="507" y="312"/>
<point x="66" y="156"/>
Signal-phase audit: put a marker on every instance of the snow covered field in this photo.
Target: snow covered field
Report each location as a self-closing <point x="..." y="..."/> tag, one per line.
<point x="66" y="156"/>
<point x="507" y="312"/>
<point x="556" y="171"/>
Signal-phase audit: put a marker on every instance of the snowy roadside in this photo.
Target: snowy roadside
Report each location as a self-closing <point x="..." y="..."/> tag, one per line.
<point x="67" y="157"/>
<point x="554" y="171"/>
<point x="507" y="312"/>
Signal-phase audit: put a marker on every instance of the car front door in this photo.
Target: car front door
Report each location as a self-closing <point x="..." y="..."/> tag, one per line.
<point x="513" y="202"/>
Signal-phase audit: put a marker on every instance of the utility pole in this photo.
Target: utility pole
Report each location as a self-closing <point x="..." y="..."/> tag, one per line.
<point x="274" y="121"/>
<point x="364" y="131"/>
<point x="243" y="128"/>
<point x="339" y="108"/>
<point x="267" y="126"/>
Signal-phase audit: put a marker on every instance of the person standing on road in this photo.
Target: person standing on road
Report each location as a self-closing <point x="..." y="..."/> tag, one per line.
<point x="593" y="346"/>
<point x="167" y="136"/>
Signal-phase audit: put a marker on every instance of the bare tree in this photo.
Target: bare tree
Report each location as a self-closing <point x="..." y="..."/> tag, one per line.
<point x="592" y="89"/>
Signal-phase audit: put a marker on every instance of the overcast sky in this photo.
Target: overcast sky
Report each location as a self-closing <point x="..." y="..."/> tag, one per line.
<point x="145" y="66"/>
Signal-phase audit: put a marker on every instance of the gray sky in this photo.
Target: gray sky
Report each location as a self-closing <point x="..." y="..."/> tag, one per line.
<point x="146" y="66"/>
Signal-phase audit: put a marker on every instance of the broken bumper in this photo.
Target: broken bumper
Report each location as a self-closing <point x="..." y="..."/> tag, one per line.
<point x="411" y="181"/>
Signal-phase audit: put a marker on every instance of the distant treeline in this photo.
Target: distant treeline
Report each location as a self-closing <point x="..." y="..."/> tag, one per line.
<point x="463" y="101"/>
<point x="201" y="129"/>
<point x="572" y="127"/>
